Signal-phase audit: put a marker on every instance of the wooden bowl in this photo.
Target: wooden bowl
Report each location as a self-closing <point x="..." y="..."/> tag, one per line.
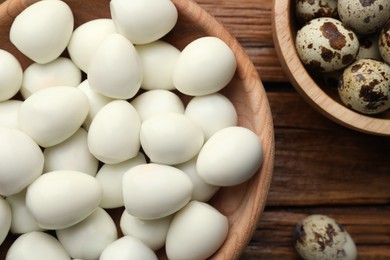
<point x="321" y="96"/>
<point x="242" y="204"/>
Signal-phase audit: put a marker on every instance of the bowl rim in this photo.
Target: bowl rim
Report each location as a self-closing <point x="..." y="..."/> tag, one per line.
<point x="307" y="87"/>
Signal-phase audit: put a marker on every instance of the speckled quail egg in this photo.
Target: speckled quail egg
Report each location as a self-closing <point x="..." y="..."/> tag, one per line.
<point x="307" y="10"/>
<point x="384" y="42"/>
<point x="319" y="237"/>
<point x="365" y="86"/>
<point x="369" y="47"/>
<point x="325" y="44"/>
<point x="364" y="17"/>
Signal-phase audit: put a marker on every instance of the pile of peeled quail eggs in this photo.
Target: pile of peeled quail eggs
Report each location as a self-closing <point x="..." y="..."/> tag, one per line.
<point x="348" y="40"/>
<point x="121" y="138"/>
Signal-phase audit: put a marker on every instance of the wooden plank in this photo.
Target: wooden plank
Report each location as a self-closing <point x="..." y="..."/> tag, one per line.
<point x="318" y="162"/>
<point x="250" y="22"/>
<point x="368" y="226"/>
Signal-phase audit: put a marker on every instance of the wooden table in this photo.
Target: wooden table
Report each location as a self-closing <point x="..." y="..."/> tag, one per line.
<point x="320" y="167"/>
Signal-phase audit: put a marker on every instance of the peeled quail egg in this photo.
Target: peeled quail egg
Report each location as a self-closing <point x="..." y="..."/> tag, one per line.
<point x="197" y="230"/>
<point x="143" y="21"/>
<point x="384" y="42"/>
<point x="115" y="68"/>
<point x="205" y="66"/>
<point x="127" y="247"/>
<point x="11" y="75"/>
<point x="110" y="178"/>
<point x="88" y="238"/>
<point x="21" y="161"/>
<point x="47" y="116"/>
<point x="152" y="232"/>
<point x="5" y="215"/>
<point x="334" y="47"/>
<point x="158" y="62"/>
<point x="36" y="245"/>
<point x="152" y="191"/>
<point x="42" y="30"/>
<point x="319" y="237"/>
<point x="60" y="72"/>
<point x="9" y="110"/>
<point x="113" y="135"/>
<point x="86" y="39"/>
<point x="364" y="17"/>
<point x="60" y="199"/>
<point x="364" y="86"/>
<point x="307" y="10"/>
<point x="171" y="138"/>
<point x="22" y="219"/>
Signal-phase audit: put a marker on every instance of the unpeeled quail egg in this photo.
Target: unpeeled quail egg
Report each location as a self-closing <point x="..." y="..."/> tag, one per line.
<point x="307" y="10"/>
<point x="334" y="47"/>
<point x="364" y="17"/>
<point x="384" y="42"/>
<point x="319" y="237"/>
<point x="364" y="86"/>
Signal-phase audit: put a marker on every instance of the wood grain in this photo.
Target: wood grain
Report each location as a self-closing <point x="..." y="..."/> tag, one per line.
<point x="319" y="162"/>
<point x="241" y="204"/>
<point x="370" y="229"/>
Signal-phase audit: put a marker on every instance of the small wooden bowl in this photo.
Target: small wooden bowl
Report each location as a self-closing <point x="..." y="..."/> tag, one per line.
<point x="242" y="204"/>
<point x="323" y="98"/>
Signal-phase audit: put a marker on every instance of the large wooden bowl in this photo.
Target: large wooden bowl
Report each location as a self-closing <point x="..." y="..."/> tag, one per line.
<point x="242" y="204"/>
<point x="322" y="97"/>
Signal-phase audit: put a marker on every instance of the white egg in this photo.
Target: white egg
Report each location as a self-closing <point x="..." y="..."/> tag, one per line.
<point x="113" y="136"/>
<point x="9" y="111"/>
<point x="88" y="238"/>
<point x="71" y="154"/>
<point x="110" y="178"/>
<point x="152" y="232"/>
<point x="6" y="217"/>
<point x="202" y="190"/>
<point x="206" y="65"/>
<point x="126" y="248"/>
<point x="21" y="161"/>
<point x="197" y="230"/>
<point x="158" y="101"/>
<point x="86" y="39"/>
<point x="96" y="102"/>
<point x="158" y="62"/>
<point x="170" y="138"/>
<point x="52" y="115"/>
<point x="11" y="75"/>
<point x="115" y="68"/>
<point x="231" y="156"/>
<point x="36" y="246"/>
<point x="152" y="191"/>
<point x="60" y="199"/>
<point x="60" y="72"/>
<point x="212" y="112"/>
<point x="22" y="219"/>
<point x="143" y="21"/>
<point x="42" y="30"/>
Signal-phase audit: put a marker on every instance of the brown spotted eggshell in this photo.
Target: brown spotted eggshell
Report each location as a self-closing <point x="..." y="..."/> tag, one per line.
<point x="364" y="86"/>
<point x="307" y="10"/>
<point x="384" y="42"/>
<point x="325" y="45"/>
<point x="319" y="237"/>
<point x="364" y="16"/>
